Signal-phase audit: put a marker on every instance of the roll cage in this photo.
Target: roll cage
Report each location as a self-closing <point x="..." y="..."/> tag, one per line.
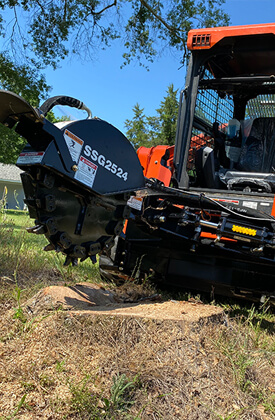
<point x="231" y="77"/>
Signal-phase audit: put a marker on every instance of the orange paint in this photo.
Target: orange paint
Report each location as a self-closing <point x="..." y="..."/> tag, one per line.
<point x="152" y="161"/>
<point x="206" y="38"/>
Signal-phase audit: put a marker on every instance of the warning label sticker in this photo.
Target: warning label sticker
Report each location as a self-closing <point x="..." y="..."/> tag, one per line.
<point x="135" y="202"/>
<point x="30" y="157"/>
<point x="86" y="172"/>
<point x="250" y="204"/>
<point x="74" y="144"/>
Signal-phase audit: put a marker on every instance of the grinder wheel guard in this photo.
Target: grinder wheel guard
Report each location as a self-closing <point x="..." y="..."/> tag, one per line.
<point x="77" y="176"/>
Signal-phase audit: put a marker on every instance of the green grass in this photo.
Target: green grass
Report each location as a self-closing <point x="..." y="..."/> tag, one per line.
<point x="23" y="262"/>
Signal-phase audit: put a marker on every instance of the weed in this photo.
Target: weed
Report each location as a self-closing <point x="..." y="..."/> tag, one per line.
<point x="232" y="416"/>
<point x="269" y="405"/>
<point x="28" y="386"/>
<point x="18" y="312"/>
<point x="83" y="401"/>
<point x="46" y="381"/>
<point x="16" y="411"/>
<point x="239" y="358"/>
<point x="3" y="200"/>
<point x="120" y="394"/>
<point x="60" y="366"/>
<point x="66" y="272"/>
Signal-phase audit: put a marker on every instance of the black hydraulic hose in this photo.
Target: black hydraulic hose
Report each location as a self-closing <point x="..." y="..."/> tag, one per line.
<point x="63" y="100"/>
<point x="253" y="213"/>
<point x="201" y="200"/>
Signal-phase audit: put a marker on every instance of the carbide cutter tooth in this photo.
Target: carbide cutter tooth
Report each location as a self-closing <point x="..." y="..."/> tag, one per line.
<point x="67" y="261"/>
<point x="38" y="229"/>
<point x="65" y="241"/>
<point x="93" y="258"/>
<point x="79" y="252"/>
<point x="49" y="181"/>
<point x="70" y="260"/>
<point x="50" y="203"/>
<point x="51" y="226"/>
<point x="94" y="248"/>
<point x="49" y="247"/>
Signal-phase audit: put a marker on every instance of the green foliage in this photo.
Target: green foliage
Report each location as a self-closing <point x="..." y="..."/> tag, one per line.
<point x="159" y="129"/>
<point x="22" y="254"/>
<point x="24" y="80"/>
<point x="93" y="406"/>
<point x="250" y="336"/>
<point x="168" y="114"/>
<point x="137" y="128"/>
<point x="82" y="400"/>
<point x="16" y="411"/>
<point x="120" y="395"/>
<point x="18" y="312"/>
<point x="54" y="29"/>
<point x="11" y="144"/>
<point x="154" y="24"/>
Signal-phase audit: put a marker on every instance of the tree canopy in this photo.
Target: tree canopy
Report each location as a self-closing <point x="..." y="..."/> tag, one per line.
<point x="46" y="32"/>
<point x="31" y="85"/>
<point x="26" y="81"/>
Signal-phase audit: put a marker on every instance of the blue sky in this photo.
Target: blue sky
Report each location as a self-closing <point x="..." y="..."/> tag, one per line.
<point x="111" y="92"/>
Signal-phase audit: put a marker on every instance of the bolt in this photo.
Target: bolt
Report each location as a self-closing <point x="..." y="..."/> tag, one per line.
<point x="74" y="168"/>
<point x="263" y="299"/>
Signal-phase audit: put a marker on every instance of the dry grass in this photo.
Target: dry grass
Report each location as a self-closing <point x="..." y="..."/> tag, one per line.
<point x="62" y="365"/>
<point x="65" y="365"/>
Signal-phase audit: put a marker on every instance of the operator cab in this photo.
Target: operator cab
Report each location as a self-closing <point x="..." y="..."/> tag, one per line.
<point x="226" y="130"/>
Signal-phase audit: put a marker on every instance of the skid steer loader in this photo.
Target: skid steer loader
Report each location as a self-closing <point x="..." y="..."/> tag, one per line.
<point x="199" y="214"/>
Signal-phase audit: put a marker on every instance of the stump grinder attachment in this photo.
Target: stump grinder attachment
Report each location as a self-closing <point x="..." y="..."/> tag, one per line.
<point x="77" y="178"/>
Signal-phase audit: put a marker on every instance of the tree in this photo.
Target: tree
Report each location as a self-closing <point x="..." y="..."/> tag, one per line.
<point x="30" y="84"/>
<point x="150" y="131"/>
<point x="168" y="115"/>
<point x="48" y="31"/>
<point x="11" y="144"/>
<point x="137" y="128"/>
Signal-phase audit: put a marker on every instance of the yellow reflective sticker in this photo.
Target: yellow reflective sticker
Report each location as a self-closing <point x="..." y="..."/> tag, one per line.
<point x="244" y="230"/>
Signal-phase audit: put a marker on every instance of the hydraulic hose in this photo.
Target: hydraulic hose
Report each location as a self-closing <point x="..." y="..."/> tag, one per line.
<point x="66" y="101"/>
